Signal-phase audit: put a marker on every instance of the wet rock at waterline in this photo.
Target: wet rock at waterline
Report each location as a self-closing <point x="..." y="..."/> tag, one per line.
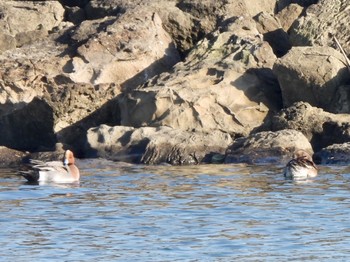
<point x="156" y="145"/>
<point x="334" y="154"/>
<point x="267" y="147"/>
<point x="10" y="157"/>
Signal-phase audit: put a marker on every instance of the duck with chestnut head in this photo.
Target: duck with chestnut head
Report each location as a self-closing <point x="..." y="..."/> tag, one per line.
<point x="301" y="166"/>
<point x="53" y="171"/>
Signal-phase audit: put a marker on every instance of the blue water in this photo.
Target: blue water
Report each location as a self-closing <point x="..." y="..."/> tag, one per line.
<point x="121" y="212"/>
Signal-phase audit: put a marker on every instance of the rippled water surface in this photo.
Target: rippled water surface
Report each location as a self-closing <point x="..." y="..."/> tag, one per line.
<point x="122" y="212"/>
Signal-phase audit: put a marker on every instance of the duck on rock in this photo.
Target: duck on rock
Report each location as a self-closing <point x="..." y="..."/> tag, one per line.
<point x="53" y="171"/>
<point x="301" y="166"/>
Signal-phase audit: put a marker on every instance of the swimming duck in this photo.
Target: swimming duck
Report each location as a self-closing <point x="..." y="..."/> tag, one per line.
<point x="53" y="171"/>
<point x="301" y="166"/>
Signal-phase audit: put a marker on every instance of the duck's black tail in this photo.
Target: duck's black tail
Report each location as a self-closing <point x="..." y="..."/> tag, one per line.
<point x="31" y="175"/>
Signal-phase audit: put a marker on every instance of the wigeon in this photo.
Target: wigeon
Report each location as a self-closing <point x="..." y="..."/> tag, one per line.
<point x="53" y="171"/>
<point x="301" y="166"/>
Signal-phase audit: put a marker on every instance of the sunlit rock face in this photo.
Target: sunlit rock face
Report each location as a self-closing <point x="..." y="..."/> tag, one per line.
<point x="314" y="75"/>
<point x="203" y="74"/>
<point x="322" y="21"/>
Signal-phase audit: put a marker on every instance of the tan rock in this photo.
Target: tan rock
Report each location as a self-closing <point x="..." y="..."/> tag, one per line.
<point x="48" y="71"/>
<point x="322" y="21"/>
<point x="319" y="127"/>
<point x="28" y="37"/>
<point x="311" y="74"/>
<point x="6" y="42"/>
<point x="187" y="21"/>
<point x="35" y="89"/>
<point x="96" y="9"/>
<point x="288" y="15"/>
<point x="23" y="16"/>
<point x="251" y="8"/>
<point x="212" y="89"/>
<point x="273" y="33"/>
<point x="129" y="50"/>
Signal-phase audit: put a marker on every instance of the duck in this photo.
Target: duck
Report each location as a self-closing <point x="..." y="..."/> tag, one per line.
<point x="53" y="171"/>
<point x="301" y="166"/>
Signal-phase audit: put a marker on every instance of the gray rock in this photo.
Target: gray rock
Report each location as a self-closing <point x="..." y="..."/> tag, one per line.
<point x="55" y="154"/>
<point x="151" y="145"/>
<point x="96" y="9"/>
<point x="75" y="14"/>
<point x="267" y="147"/>
<point x="10" y="158"/>
<point x="28" y="128"/>
<point x="334" y="154"/>
<point x="28" y="37"/>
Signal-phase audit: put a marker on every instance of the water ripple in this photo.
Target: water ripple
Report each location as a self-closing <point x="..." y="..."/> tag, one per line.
<point x="123" y="212"/>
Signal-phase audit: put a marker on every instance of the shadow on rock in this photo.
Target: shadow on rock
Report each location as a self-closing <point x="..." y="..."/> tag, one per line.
<point x="29" y="127"/>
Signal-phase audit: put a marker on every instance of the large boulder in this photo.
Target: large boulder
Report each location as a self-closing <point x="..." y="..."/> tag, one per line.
<point x="151" y="145"/>
<point x="226" y="84"/>
<point x="321" y="22"/>
<point x="126" y="50"/>
<point x="313" y="75"/>
<point x="321" y="128"/>
<point x="208" y="16"/>
<point x="267" y="147"/>
<point x="184" y="28"/>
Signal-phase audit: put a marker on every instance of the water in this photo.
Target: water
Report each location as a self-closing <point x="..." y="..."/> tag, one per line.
<point x="162" y="213"/>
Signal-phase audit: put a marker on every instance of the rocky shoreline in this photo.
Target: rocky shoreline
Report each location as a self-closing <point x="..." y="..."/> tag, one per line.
<point x="174" y="81"/>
